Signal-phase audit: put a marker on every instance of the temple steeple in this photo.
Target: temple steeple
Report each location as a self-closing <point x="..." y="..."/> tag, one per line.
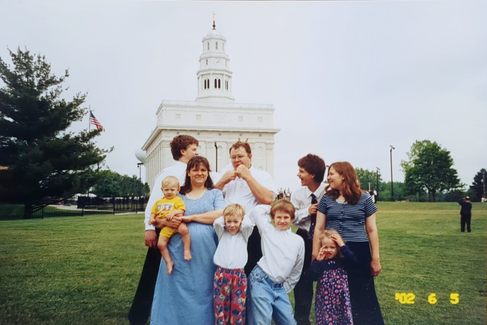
<point x="214" y="76"/>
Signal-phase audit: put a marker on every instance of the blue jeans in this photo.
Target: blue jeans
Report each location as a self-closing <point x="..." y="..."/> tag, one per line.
<point x="267" y="300"/>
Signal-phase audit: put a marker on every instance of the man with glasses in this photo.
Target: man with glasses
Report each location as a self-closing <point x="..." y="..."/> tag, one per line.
<point x="247" y="186"/>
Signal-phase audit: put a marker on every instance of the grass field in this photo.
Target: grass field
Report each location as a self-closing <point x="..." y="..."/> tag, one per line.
<point x="84" y="270"/>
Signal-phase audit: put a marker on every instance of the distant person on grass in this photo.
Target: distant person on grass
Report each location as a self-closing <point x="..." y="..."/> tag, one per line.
<point x="183" y="148"/>
<point x="168" y="207"/>
<point x="230" y="287"/>
<point x="465" y="214"/>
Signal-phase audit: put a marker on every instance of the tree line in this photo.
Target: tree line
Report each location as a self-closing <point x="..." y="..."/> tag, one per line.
<point x="429" y="176"/>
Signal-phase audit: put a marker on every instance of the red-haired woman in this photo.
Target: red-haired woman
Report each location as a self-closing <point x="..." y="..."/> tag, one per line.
<point x="351" y="212"/>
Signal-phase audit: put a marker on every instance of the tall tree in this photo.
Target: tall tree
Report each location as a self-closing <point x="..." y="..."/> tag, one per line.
<point x="416" y="148"/>
<point x="368" y="178"/>
<point x="42" y="162"/>
<point x="430" y="169"/>
<point x="478" y="187"/>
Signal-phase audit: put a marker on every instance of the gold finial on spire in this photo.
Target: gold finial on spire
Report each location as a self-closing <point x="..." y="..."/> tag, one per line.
<point x="214" y="25"/>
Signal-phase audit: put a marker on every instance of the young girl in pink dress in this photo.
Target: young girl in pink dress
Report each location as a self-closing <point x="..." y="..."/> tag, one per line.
<point x="332" y="301"/>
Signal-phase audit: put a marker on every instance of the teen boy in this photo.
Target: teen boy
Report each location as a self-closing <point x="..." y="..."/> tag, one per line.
<point x="305" y="199"/>
<point x="279" y="269"/>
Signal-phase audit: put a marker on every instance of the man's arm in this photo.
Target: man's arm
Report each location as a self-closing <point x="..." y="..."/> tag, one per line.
<point x="262" y="194"/>
<point x="225" y="179"/>
<point x="155" y="194"/>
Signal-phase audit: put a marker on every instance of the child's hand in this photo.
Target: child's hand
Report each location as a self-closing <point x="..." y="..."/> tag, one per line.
<point x="321" y="255"/>
<point x="338" y="240"/>
<point x="171" y="214"/>
<point x="152" y="219"/>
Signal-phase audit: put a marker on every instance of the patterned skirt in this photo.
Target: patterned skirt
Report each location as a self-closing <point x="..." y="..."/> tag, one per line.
<point x="332" y="302"/>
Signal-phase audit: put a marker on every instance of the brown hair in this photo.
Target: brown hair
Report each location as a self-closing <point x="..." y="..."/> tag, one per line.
<point x="234" y="209"/>
<point x="195" y="162"/>
<point x="314" y="165"/>
<point x="283" y="206"/>
<point x="239" y="144"/>
<point x="350" y="186"/>
<point x="181" y="142"/>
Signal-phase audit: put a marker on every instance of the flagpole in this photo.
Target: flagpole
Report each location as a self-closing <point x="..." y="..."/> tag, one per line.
<point x="89" y="120"/>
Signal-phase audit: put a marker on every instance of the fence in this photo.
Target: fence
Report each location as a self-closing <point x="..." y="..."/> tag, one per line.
<point x="83" y="206"/>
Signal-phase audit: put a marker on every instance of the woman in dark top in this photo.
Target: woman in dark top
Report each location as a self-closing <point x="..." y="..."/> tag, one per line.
<point x="351" y="212"/>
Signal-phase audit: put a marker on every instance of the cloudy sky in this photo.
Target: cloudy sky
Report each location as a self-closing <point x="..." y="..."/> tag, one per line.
<point x="347" y="79"/>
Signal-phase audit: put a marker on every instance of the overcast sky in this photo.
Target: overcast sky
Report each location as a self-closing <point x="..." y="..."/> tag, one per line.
<point x="347" y="79"/>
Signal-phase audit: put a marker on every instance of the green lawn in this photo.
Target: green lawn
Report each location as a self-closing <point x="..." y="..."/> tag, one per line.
<point x="84" y="270"/>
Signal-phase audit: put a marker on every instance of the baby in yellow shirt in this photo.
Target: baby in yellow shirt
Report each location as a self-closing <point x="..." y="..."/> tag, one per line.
<point x="168" y="207"/>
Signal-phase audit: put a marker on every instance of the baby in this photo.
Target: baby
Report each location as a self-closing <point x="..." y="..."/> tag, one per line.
<point x="167" y="207"/>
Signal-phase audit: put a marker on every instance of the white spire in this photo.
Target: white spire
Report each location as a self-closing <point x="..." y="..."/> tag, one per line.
<point x="214" y="76"/>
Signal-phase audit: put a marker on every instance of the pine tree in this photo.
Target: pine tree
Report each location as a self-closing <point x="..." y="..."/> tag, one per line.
<point x="41" y="161"/>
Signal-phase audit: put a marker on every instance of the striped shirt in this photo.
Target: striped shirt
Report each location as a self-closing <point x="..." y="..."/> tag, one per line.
<point x="348" y="219"/>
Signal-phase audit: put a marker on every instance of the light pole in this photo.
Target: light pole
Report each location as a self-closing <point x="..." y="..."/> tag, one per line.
<point x="392" y="181"/>
<point x="378" y="173"/>
<point x="483" y="180"/>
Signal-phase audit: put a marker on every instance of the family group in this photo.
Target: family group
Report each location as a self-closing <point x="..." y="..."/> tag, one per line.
<point x="229" y="255"/>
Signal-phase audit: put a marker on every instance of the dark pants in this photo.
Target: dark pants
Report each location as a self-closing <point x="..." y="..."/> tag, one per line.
<point x="465" y="219"/>
<point x="254" y="251"/>
<point x="141" y="306"/>
<point x="303" y="291"/>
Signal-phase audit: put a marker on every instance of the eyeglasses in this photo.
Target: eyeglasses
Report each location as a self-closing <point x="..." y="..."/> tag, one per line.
<point x="239" y="157"/>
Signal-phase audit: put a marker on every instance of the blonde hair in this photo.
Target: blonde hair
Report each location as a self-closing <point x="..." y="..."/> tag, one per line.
<point x="170" y="181"/>
<point x="327" y="233"/>
<point x="234" y="209"/>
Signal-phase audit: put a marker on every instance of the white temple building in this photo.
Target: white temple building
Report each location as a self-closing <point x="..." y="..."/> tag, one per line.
<point x="213" y="118"/>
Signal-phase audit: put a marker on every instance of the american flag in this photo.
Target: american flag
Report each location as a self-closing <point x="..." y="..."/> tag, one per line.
<point x="95" y="122"/>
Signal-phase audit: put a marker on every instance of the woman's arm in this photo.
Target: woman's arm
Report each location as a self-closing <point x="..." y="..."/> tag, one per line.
<point x="319" y="228"/>
<point x="206" y="218"/>
<point x="371" y="228"/>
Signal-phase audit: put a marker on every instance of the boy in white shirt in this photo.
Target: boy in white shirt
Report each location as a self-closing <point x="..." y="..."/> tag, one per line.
<point x="279" y="269"/>
<point x="230" y="286"/>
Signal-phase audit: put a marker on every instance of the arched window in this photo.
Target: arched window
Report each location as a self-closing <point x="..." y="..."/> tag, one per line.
<point x="208" y="43"/>
<point x="206" y="61"/>
<point x="216" y="85"/>
<point x="219" y="84"/>
<point x="216" y="45"/>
